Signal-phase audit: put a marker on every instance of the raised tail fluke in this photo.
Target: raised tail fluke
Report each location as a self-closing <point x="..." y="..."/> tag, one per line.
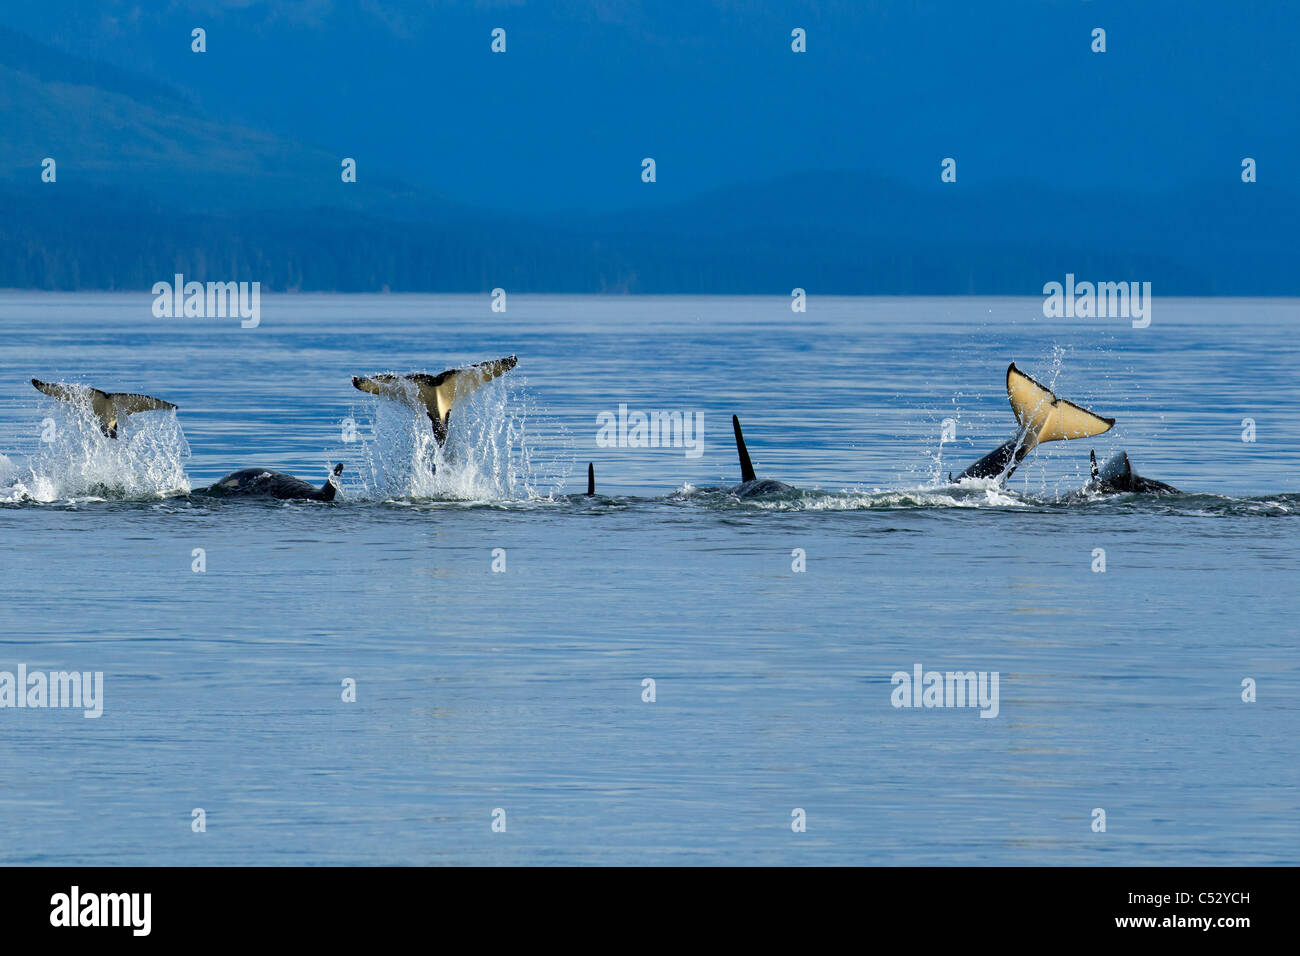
<point x="450" y="386"/>
<point x="746" y="466"/>
<point x="1042" y="417"/>
<point x="591" y="480"/>
<point x="436" y="393"/>
<point x="108" y="407"/>
<point x="64" y="393"/>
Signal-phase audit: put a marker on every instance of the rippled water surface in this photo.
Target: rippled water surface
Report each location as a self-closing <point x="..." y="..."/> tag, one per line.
<point x="523" y="689"/>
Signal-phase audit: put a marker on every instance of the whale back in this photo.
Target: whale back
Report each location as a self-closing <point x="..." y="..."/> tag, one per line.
<point x="264" y="483"/>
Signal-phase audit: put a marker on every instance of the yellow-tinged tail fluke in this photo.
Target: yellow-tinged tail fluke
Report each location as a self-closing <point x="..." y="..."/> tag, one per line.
<point x="435" y="393"/>
<point x="1044" y="417"/>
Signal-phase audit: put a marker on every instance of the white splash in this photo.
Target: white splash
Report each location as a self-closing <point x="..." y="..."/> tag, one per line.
<point x="488" y="455"/>
<point x="74" y="460"/>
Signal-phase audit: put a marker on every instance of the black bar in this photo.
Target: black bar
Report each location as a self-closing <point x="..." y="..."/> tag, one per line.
<point x="974" y="906"/>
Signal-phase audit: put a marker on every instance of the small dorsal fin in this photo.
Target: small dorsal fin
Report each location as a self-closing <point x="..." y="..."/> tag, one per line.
<point x="746" y="466"/>
<point x="591" y="480"/>
<point x="1092" y="456"/>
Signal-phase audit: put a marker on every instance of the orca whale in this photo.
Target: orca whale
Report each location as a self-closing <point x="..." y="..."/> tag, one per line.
<point x="108" y="407"/>
<point x="262" y="483"/>
<point x="435" y="394"/>
<point x="750" y="485"/>
<point x="1042" y="417"/>
<point x="1118" y="477"/>
<point x="591" y="485"/>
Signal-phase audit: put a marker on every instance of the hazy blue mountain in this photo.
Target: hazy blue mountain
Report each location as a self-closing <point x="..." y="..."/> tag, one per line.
<point x="522" y="170"/>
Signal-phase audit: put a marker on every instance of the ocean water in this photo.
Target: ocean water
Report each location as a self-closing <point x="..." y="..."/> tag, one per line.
<point x="517" y="695"/>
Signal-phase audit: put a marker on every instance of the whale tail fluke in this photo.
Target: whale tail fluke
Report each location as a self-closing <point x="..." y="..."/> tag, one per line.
<point x="746" y="466"/>
<point x="1044" y="417"/>
<point x="591" y="480"/>
<point x="436" y="394"/>
<point x="108" y="407"/>
<point x="64" y="393"/>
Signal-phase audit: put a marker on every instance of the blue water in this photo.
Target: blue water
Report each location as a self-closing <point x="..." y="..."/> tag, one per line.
<point x="522" y="690"/>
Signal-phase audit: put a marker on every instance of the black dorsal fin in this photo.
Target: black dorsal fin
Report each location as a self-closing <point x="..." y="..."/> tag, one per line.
<point x="591" y="480"/>
<point x="746" y="466"/>
<point x="1092" y="455"/>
